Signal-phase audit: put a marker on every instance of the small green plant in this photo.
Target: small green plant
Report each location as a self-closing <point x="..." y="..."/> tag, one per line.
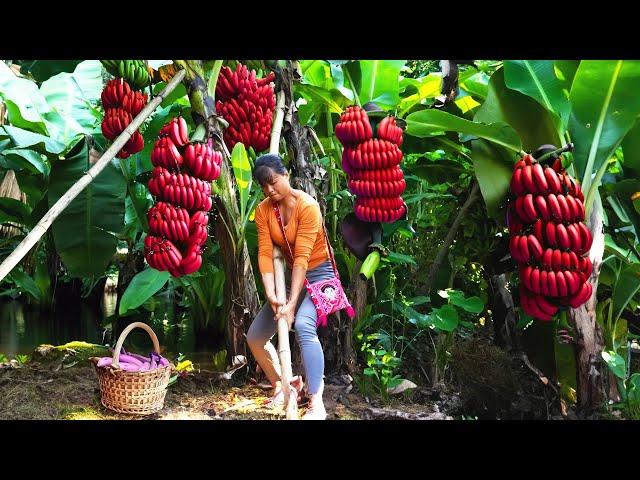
<point x="220" y="360"/>
<point x="3" y="358"/>
<point x="398" y="332"/>
<point x="628" y="387"/>
<point x="446" y="321"/>
<point x="378" y="376"/>
<point x="22" y="359"/>
<point x="384" y="349"/>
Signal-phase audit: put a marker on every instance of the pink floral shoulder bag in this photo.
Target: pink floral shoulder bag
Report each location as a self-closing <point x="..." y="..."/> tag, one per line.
<point x="327" y="295"/>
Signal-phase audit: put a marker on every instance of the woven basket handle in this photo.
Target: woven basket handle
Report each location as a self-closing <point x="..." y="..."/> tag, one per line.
<point x="123" y="335"/>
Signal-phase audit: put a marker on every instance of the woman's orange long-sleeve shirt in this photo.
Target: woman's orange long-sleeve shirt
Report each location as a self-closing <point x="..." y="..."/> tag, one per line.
<point x="304" y="232"/>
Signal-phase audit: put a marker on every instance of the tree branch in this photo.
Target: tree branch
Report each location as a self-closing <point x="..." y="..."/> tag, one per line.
<point x="451" y="235"/>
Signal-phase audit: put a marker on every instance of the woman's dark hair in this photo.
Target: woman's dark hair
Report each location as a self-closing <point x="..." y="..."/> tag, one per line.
<point x="266" y="166"/>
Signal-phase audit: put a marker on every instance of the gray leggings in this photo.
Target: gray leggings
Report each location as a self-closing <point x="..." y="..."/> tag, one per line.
<point x="264" y="328"/>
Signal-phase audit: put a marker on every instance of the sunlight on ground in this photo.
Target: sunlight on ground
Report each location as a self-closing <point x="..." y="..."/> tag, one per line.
<point x="184" y="415"/>
<point x="83" y="414"/>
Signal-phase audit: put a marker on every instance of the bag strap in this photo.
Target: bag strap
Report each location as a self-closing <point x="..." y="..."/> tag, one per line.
<point x="276" y="209"/>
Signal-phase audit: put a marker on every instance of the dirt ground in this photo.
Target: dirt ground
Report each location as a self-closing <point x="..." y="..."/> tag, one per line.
<point x="47" y="391"/>
<point x="485" y="383"/>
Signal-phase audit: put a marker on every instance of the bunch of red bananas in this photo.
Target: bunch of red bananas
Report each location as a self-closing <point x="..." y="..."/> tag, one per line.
<point x="180" y="181"/>
<point x="247" y="104"/>
<point x="372" y="165"/>
<point x="548" y="238"/>
<point x="121" y="105"/>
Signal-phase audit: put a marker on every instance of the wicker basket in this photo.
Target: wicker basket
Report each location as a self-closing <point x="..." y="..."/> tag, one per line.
<point x="136" y="393"/>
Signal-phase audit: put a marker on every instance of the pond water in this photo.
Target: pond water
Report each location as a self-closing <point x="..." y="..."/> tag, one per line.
<point x="23" y="327"/>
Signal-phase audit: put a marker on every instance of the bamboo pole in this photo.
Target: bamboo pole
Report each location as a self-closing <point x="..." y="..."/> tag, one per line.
<point x="284" y="348"/>
<point x="43" y="225"/>
<point x="276" y="131"/>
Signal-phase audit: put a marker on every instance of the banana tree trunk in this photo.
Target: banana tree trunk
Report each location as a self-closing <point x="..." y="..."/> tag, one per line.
<point x="336" y="339"/>
<point x="297" y="139"/>
<point x="357" y="294"/>
<point x="240" y="293"/>
<point x="589" y="340"/>
<point x="503" y="313"/>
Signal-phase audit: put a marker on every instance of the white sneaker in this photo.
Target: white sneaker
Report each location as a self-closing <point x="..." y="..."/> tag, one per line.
<point x="315" y="410"/>
<point x="315" y="414"/>
<point x="277" y="400"/>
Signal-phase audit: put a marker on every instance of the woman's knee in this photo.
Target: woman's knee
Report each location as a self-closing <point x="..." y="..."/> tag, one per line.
<point x="253" y="339"/>
<point x="256" y="337"/>
<point x="261" y="329"/>
<point x="305" y="327"/>
<point x="252" y="336"/>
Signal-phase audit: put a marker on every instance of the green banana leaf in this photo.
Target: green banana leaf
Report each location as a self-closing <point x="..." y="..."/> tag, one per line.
<point x="537" y="79"/>
<point x="144" y="285"/>
<point x="620" y="194"/>
<point x="323" y="89"/>
<point x="456" y="297"/>
<point x="23" y="158"/>
<point x="605" y="105"/>
<point x="534" y="125"/>
<point x="25" y="283"/>
<point x="476" y="85"/>
<point x="34" y="186"/>
<point x="616" y="363"/>
<point x="566" y="72"/>
<point x="42" y="70"/>
<point x="242" y="172"/>
<point x="25" y="103"/>
<point x="631" y="150"/>
<point x="426" y="87"/>
<point x="566" y="370"/>
<point x="626" y="287"/>
<point x="376" y="81"/>
<point x="318" y="73"/>
<point x="177" y="97"/>
<point x="72" y="96"/>
<point x="139" y="201"/>
<point x="611" y="247"/>
<point x="21" y="139"/>
<point x="493" y="172"/>
<point x="318" y="95"/>
<point x="427" y="123"/>
<point x="15" y="211"/>
<point x="83" y="232"/>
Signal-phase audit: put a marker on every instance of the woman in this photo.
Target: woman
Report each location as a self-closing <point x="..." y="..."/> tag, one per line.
<point x="303" y="225"/>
